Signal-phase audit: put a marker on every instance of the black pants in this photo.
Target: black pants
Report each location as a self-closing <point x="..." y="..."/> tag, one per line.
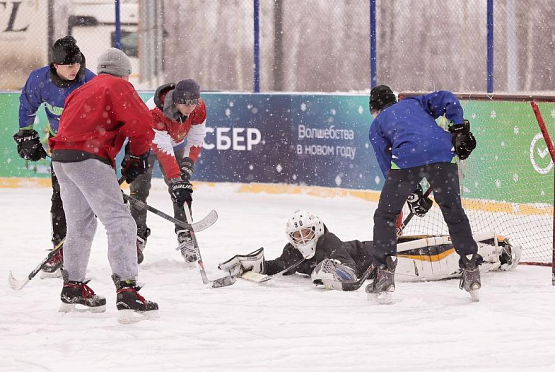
<point x="140" y="189"/>
<point x="399" y="184"/>
<point x="57" y="215"/>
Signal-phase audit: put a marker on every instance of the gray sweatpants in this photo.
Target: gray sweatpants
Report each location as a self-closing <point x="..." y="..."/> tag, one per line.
<point x="90" y="188"/>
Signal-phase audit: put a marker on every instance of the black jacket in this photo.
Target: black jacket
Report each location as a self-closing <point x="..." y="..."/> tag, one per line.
<point x="355" y="254"/>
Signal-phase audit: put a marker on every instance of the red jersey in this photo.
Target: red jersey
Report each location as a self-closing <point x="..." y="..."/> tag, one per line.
<point x="96" y="120"/>
<point x="170" y="133"/>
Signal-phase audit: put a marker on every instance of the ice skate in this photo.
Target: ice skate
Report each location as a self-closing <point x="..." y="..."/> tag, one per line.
<point x="79" y="297"/>
<point x="142" y="235"/>
<point x="383" y="285"/>
<point x="132" y="307"/>
<point x="470" y="279"/>
<point x="52" y="268"/>
<point x="187" y="247"/>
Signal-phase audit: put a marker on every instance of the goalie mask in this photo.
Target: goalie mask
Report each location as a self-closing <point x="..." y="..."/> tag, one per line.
<point x="303" y="231"/>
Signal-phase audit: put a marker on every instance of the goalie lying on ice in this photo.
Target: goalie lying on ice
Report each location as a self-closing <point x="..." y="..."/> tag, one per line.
<point x="331" y="262"/>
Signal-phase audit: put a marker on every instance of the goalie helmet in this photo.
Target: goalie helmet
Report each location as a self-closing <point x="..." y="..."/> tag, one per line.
<point x="303" y="231"/>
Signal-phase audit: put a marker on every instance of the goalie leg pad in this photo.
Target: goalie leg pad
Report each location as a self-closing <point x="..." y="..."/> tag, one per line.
<point x="331" y="273"/>
<point x="238" y="264"/>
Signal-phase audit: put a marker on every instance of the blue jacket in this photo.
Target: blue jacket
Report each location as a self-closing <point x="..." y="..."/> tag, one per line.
<point x="39" y="89"/>
<point x="406" y="135"/>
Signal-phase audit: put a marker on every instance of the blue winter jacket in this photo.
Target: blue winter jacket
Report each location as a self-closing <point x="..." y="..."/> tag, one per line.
<point x="406" y="135"/>
<point x="40" y="88"/>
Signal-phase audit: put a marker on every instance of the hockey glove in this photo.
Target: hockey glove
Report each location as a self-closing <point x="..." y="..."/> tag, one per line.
<point x="187" y="166"/>
<point x="132" y="166"/>
<point x="241" y="263"/>
<point x="181" y="191"/>
<point x="418" y="204"/>
<point x="463" y="140"/>
<point x="28" y="145"/>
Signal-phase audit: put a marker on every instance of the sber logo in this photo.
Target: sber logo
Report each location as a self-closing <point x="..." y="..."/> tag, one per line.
<point x="539" y="155"/>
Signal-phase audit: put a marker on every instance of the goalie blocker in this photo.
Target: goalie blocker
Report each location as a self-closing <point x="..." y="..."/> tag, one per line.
<point x="420" y="258"/>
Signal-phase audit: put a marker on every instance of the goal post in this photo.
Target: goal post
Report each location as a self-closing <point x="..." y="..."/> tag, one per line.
<point x="507" y="183"/>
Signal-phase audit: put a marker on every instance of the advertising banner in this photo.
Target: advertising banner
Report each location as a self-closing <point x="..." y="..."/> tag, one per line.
<point x="322" y="140"/>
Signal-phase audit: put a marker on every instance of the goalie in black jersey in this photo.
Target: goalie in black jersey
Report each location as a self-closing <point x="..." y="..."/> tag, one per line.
<point x="315" y="251"/>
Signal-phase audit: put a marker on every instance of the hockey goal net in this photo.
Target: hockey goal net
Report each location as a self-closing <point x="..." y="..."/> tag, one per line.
<point x="507" y="182"/>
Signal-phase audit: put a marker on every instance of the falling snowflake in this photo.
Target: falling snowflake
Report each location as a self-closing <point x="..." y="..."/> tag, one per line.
<point x="516" y="130"/>
<point x="360" y="110"/>
<point x="303" y="106"/>
<point x="338" y="180"/>
<point x="377" y="180"/>
<point x="333" y="112"/>
<point x="231" y="103"/>
<point x="502" y="144"/>
<point x="366" y="145"/>
<point x="294" y="177"/>
<point x="227" y="112"/>
<point x="279" y="168"/>
<point x="515" y="177"/>
<point x="553" y="113"/>
<point x="498" y="183"/>
<point x="251" y="167"/>
<point x="493" y="114"/>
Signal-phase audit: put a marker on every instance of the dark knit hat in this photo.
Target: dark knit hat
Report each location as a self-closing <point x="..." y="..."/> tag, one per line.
<point x="381" y="97"/>
<point x="186" y="91"/>
<point x="66" y="52"/>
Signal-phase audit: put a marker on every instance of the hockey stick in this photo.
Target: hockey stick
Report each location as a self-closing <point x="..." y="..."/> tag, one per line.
<point x="218" y="283"/>
<point x="203" y="224"/>
<point x="356" y="284"/>
<point x="261" y="278"/>
<point x="17" y="285"/>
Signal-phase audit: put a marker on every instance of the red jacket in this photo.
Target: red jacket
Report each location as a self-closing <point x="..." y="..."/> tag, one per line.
<point x="96" y="120"/>
<point x="170" y="133"/>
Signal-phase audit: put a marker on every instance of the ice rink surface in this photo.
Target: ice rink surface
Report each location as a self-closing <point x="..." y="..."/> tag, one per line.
<point x="285" y="324"/>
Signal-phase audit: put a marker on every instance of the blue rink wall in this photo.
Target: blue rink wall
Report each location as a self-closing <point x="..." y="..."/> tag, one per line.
<point x="308" y="139"/>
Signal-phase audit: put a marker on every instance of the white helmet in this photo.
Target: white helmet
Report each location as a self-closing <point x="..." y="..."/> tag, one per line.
<point x="303" y="231"/>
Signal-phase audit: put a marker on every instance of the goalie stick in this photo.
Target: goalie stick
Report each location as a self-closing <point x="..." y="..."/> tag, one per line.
<point x="261" y="278"/>
<point x="218" y="283"/>
<point x="17" y="285"/>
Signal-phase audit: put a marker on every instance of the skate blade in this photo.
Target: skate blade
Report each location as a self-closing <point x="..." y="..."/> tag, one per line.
<point x="54" y="274"/>
<point x="78" y="308"/>
<point x="132" y="316"/>
<point x="382" y="298"/>
<point x="475" y="295"/>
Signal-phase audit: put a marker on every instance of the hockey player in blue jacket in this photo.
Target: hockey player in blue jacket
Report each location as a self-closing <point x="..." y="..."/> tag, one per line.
<point x="50" y="85"/>
<point x="410" y="146"/>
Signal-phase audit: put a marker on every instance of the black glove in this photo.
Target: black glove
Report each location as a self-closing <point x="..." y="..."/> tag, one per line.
<point x="181" y="191"/>
<point x="463" y="140"/>
<point x="418" y="203"/>
<point x="28" y="145"/>
<point x="132" y="166"/>
<point x="187" y="166"/>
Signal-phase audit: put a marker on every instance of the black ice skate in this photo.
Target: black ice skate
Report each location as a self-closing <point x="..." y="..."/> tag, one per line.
<point x="187" y="246"/>
<point x="383" y="285"/>
<point x="78" y="296"/>
<point x="470" y="279"/>
<point x="142" y="235"/>
<point x="52" y="267"/>
<point x="132" y="307"/>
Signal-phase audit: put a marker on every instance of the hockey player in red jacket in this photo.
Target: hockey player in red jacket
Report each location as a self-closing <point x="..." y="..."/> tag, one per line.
<point x="97" y="119"/>
<point x="179" y="122"/>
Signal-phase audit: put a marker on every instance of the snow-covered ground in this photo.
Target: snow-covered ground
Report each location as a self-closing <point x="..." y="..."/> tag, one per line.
<point x="283" y="325"/>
